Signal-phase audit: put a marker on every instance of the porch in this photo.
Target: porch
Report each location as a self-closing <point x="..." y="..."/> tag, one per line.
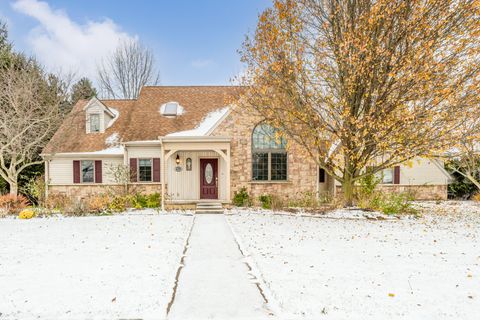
<point x="196" y="170"/>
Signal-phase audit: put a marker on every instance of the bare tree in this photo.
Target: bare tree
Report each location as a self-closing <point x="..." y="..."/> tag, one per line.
<point x="130" y="67"/>
<point x="29" y="115"/>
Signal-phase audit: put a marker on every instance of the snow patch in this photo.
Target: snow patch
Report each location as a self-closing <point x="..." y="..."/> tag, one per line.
<point x="113" y="140"/>
<point x="208" y="123"/>
<point x="109" y="151"/>
<point x="116" y="114"/>
<point x="114" y="267"/>
<point x="343" y="268"/>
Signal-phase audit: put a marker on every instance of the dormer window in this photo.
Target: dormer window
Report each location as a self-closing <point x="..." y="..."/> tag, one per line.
<point x="94" y="122"/>
<point x="171" y="109"/>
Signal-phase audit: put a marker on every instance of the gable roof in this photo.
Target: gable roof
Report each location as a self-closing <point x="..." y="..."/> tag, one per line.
<point x="140" y="119"/>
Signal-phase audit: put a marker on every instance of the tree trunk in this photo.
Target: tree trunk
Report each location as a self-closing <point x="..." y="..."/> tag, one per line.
<point x="348" y="190"/>
<point x="473" y="180"/>
<point x="13" y="187"/>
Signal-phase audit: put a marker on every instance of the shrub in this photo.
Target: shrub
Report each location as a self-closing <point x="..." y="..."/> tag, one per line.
<point x="3" y="212"/>
<point x="58" y="201"/>
<point x="26" y="214"/>
<point x="367" y="196"/>
<point x="97" y="203"/>
<point x="139" y="201"/>
<point x="309" y="199"/>
<point x="367" y="185"/>
<point x="119" y="203"/>
<point x="153" y="200"/>
<point x="34" y="188"/>
<point x="242" y="198"/>
<point x="77" y="208"/>
<point x="13" y="204"/>
<point x="277" y="202"/>
<point x="266" y="201"/>
<point x="269" y="201"/>
<point x="400" y="203"/>
<point x="476" y="197"/>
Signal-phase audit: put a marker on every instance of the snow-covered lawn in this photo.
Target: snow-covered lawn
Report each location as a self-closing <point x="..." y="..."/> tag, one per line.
<point x="90" y="268"/>
<point x="326" y="268"/>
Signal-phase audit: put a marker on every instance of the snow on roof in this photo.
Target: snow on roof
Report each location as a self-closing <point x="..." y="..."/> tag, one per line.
<point x="116" y="114"/>
<point x="109" y="151"/>
<point x="113" y="140"/>
<point x="203" y="128"/>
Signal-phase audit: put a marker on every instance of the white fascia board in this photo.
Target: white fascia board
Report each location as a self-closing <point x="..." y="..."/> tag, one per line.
<point x="210" y="131"/>
<point x="198" y="139"/>
<point x="94" y="100"/>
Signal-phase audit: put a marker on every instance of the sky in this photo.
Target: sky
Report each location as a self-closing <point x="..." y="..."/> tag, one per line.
<point x="195" y="42"/>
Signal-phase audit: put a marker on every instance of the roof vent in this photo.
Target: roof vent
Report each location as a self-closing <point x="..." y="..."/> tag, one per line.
<point x="170" y="109"/>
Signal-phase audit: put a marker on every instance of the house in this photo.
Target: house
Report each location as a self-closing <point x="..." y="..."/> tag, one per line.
<point x="188" y="144"/>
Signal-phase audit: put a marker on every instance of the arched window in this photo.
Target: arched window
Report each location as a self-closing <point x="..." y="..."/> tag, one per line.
<point x="269" y="154"/>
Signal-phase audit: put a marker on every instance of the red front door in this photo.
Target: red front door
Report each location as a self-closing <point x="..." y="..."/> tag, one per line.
<point x="208" y="178"/>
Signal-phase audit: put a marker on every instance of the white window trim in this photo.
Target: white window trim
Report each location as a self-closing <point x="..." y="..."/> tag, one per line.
<point x="90" y="122"/>
<point x="382" y="181"/>
<point x="81" y="171"/>
<point x="138" y="170"/>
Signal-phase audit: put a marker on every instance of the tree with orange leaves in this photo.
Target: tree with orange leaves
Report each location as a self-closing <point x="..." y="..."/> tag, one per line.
<point x="364" y="83"/>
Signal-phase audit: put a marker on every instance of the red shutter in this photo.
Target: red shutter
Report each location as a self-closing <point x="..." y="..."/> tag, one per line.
<point x="396" y="175"/>
<point x="156" y="169"/>
<point x="133" y="170"/>
<point x="98" y="171"/>
<point x="76" y="171"/>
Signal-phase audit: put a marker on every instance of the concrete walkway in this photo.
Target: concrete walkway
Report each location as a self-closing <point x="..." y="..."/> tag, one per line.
<point x="214" y="282"/>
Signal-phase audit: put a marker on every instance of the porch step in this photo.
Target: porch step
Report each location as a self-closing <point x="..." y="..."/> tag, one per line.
<point x="209" y="207"/>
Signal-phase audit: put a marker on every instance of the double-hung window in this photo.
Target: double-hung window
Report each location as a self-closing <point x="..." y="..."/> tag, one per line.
<point x="145" y="170"/>
<point x="385" y="176"/>
<point x="87" y="171"/>
<point x="269" y="155"/>
<point x="95" y="122"/>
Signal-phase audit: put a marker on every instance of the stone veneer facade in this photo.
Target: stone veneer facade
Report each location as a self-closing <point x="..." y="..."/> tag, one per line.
<point x="420" y="192"/>
<point x="301" y="170"/>
<point x="82" y="191"/>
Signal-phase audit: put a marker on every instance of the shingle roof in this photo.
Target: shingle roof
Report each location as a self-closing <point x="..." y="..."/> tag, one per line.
<point x="140" y="119"/>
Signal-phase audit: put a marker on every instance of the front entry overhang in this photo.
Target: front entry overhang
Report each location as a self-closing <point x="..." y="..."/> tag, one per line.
<point x="171" y="145"/>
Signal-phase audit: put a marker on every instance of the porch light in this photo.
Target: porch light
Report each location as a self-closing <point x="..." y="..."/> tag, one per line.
<point x="177" y="160"/>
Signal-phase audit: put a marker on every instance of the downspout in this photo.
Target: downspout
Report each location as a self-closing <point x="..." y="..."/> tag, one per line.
<point x="162" y="172"/>
<point x="47" y="176"/>
<point x="125" y="163"/>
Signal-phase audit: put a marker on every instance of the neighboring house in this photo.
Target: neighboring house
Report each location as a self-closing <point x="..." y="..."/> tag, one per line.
<point x="188" y="144"/>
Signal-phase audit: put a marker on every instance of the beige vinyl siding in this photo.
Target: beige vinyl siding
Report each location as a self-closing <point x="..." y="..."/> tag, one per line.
<point x="185" y="185"/>
<point x="61" y="170"/>
<point x="144" y="152"/>
<point x="423" y="171"/>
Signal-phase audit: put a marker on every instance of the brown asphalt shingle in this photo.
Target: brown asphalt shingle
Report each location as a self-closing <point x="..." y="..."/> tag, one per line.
<point x="140" y="119"/>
